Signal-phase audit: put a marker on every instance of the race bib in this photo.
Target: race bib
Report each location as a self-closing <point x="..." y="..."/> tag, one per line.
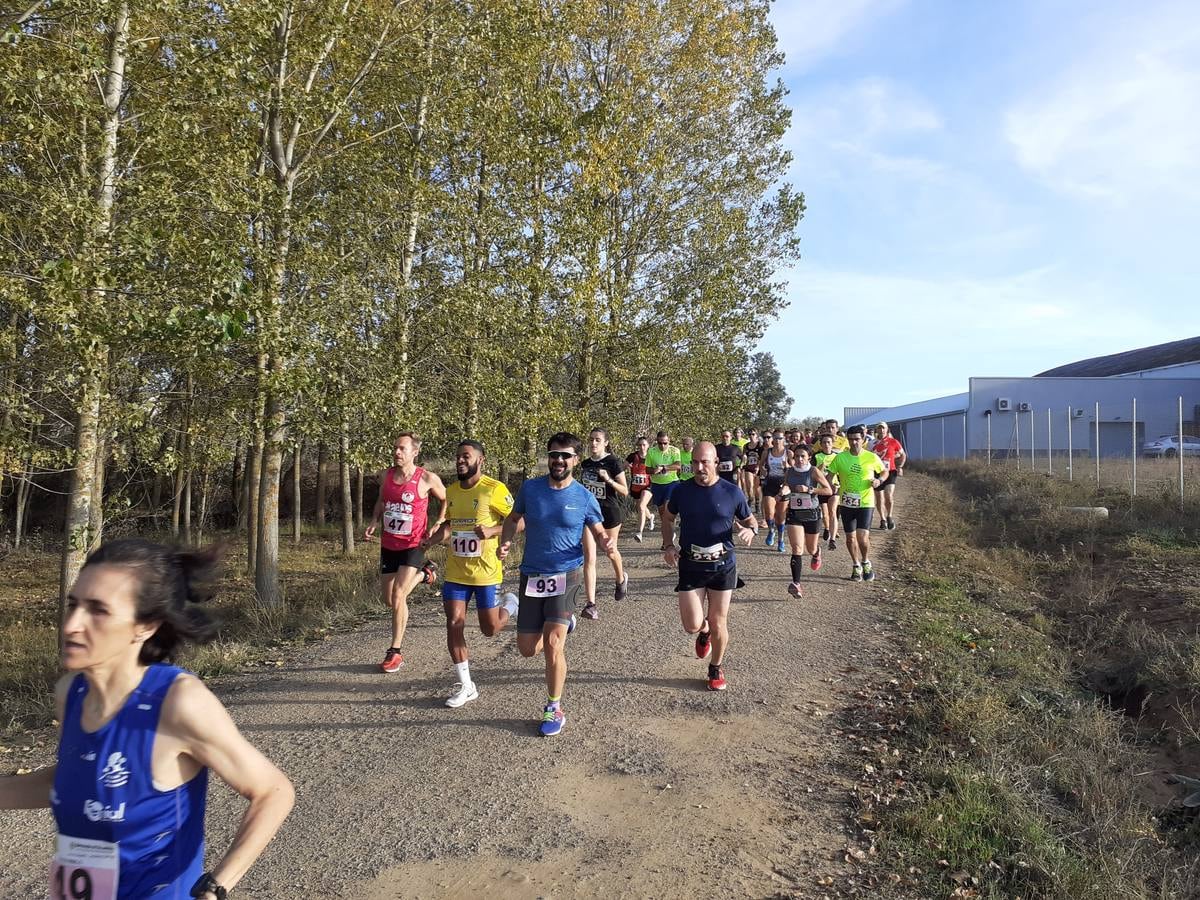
<point x="397" y="521"/>
<point x="851" y="501"/>
<point x="752" y="458"/>
<point x="466" y="544"/>
<point x="714" y="550"/>
<point x="803" y="501"/>
<point x="546" y="585"/>
<point x="641" y="480"/>
<point x="599" y="491"/>
<point x="685" y="469"/>
<point x="725" y="465"/>
<point x="84" y="870"/>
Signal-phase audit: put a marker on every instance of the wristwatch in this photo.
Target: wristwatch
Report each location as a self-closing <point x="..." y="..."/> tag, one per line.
<point x="208" y="885"/>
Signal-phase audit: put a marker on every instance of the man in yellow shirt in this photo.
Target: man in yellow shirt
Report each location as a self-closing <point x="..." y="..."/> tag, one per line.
<point x="840" y="442"/>
<point x="859" y="472"/>
<point x="476" y="507"/>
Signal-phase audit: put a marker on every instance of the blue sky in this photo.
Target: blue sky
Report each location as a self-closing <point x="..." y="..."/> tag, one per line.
<point x="993" y="189"/>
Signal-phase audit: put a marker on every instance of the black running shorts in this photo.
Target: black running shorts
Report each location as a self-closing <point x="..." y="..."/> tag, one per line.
<point x="887" y="482"/>
<point x="810" y="526"/>
<point x="392" y="561"/>
<point x="854" y="519"/>
<point x="713" y="576"/>
<point x="772" y="485"/>
<point x="534" y="612"/>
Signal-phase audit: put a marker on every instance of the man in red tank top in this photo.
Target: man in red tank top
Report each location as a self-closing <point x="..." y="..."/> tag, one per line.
<point x="403" y="511"/>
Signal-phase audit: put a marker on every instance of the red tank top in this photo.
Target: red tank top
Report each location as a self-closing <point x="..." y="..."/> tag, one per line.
<point x="639" y="475"/>
<point x="405" y="512"/>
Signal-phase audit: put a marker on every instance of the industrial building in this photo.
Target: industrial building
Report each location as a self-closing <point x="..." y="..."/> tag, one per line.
<point x="1088" y="407"/>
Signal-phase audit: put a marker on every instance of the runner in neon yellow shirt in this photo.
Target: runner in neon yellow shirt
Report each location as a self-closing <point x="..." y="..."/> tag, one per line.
<point x="685" y="460"/>
<point x="663" y="462"/>
<point x="859" y="472"/>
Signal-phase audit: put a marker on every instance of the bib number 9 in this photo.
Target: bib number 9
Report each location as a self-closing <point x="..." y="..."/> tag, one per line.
<point x="466" y="544"/>
<point x="803" y="501"/>
<point x="546" y="585"/>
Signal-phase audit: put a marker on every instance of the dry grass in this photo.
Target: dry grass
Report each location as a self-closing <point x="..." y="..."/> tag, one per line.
<point x="1021" y="782"/>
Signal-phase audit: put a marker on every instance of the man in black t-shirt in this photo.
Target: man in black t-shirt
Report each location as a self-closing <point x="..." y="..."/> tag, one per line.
<point x="729" y="457"/>
<point x="709" y="508"/>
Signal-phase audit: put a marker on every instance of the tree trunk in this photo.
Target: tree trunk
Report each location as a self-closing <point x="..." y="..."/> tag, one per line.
<point x="322" y="482"/>
<point x="296" y="507"/>
<point x="235" y="486"/>
<point x="347" y="503"/>
<point x="187" y="507"/>
<point x="358" y="499"/>
<point x="203" y="504"/>
<point x="177" y="488"/>
<point x="96" y="510"/>
<point x="77" y="528"/>
<point x="254" y="474"/>
<point x="24" y="489"/>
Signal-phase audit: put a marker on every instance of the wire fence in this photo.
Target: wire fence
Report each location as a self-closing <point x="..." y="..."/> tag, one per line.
<point x="1167" y="464"/>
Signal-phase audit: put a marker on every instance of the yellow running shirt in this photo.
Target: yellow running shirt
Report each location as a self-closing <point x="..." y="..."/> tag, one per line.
<point x="821" y="460"/>
<point x="470" y="560"/>
<point x="840" y="443"/>
<point x="855" y="474"/>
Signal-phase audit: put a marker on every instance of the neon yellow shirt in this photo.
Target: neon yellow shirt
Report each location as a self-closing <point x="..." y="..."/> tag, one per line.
<point x="471" y="560"/>
<point x="855" y="474"/>
<point x="740" y="443"/>
<point x="821" y="460"/>
<point x="668" y="457"/>
<point x="685" y="466"/>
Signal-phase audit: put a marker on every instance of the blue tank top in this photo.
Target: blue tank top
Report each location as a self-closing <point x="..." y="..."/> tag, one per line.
<point x="110" y="814"/>
<point x="775" y="464"/>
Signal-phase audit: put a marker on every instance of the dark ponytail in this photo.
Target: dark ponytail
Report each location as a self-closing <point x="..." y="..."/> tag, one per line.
<point x="171" y="583"/>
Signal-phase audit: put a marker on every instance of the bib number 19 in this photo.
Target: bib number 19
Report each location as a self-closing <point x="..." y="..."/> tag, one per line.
<point x="84" y="869"/>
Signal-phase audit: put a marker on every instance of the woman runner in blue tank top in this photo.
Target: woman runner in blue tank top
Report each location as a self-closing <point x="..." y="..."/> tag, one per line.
<point x="138" y="737"/>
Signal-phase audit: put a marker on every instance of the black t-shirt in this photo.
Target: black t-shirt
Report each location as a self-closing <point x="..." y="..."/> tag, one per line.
<point x="753" y="451"/>
<point x="589" y="477"/>
<point x="729" y="456"/>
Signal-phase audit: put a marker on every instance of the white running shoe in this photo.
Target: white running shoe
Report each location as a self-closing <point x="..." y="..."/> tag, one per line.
<point x="463" y="694"/>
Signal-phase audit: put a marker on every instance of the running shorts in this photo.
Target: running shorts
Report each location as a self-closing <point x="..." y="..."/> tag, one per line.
<point x="392" y="561"/>
<point x="535" y="612"/>
<point x="854" y="519"/>
<point x="887" y="482"/>
<point x="752" y="468"/>
<point x="486" y="595"/>
<point x="720" y="575"/>
<point x="662" y="492"/>
<point x="612" y="514"/>
<point x="832" y="498"/>
<point x="810" y="526"/>
<point x="771" y="486"/>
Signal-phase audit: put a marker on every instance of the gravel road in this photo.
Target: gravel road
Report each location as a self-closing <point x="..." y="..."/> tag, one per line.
<point x="656" y="787"/>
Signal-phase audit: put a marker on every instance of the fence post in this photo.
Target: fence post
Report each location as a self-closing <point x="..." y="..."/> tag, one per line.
<point x="1070" y="446"/>
<point x="943" y="437"/>
<point x="965" y="436"/>
<point x="1017" y="431"/>
<point x="1032" y="441"/>
<point x="1133" y="440"/>
<point x="1181" y="453"/>
<point x="1049" y="443"/>
<point x="988" y="415"/>
<point x="1097" y="443"/>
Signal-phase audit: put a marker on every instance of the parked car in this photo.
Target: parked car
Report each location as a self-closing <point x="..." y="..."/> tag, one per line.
<point x="1168" y="445"/>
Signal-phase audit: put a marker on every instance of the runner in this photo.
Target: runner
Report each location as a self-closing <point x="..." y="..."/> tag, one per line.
<point x="555" y="510"/>
<point x="639" y="486"/>
<point x="476" y="506"/>
<point x="751" y="486"/>
<point x="708" y="507"/>
<point x="840" y="440"/>
<point x="603" y="475"/>
<point x="664" y="463"/>
<point x="892" y="454"/>
<point x="685" y="459"/>
<point x="805" y="486"/>
<point x="774" y="467"/>
<point x="857" y="470"/>
<point x="138" y="736"/>
<point x="729" y="457"/>
<point x="403" y="508"/>
<point x="740" y="441"/>
<point x="829" y="504"/>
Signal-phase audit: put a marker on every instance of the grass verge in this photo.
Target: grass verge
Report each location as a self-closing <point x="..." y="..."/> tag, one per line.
<point x="996" y="772"/>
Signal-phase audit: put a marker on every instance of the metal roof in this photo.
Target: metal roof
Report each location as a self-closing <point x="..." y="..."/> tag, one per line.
<point x="938" y="406"/>
<point x="1170" y="354"/>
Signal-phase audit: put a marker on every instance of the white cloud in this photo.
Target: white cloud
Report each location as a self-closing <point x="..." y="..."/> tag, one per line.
<point x="1124" y="119"/>
<point x="810" y="30"/>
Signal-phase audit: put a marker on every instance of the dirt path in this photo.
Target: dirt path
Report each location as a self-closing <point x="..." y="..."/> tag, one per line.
<point x="656" y="787"/>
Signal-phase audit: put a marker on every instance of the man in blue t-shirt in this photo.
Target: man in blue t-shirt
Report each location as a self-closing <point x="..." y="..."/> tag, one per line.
<point x="555" y="509"/>
<point x="709" y="508"/>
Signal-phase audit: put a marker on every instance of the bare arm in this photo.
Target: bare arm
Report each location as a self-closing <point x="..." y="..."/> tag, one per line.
<point x="617" y="484"/>
<point x="378" y="510"/>
<point x="32" y="791"/>
<point x="196" y="719"/>
<point x="824" y="488"/>
<point x="511" y="526"/>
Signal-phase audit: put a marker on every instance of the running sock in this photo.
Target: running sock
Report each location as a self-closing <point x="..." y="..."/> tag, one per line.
<point x="797" y="566"/>
<point x="462" y="671"/>
<point x="553" y="701"/>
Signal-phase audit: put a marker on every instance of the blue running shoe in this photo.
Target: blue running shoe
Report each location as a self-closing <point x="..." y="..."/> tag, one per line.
<point x="782" y="544"/>
<point x="770" y="537"/>
<point x="553" y="719"/>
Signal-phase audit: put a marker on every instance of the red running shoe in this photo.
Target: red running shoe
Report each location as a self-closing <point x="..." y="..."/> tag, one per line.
<point x="392" y="661"/>
<point x="815" y="565"/>
<point x="429" y="571"/>
<point x="716" y="678"/>
<point x="703" y="644"/>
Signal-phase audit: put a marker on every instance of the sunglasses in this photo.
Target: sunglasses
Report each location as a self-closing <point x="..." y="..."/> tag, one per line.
<point x="560" y="454"/>
<point x="663" y="443"/>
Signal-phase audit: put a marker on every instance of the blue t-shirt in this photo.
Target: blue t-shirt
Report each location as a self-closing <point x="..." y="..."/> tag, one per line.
<point x="554" y="523"/>
<point x="707" y="512"/>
